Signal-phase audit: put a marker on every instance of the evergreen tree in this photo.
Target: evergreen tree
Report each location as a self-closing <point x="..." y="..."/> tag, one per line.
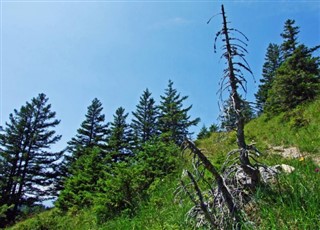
<point x="144" y="123"/>
<point x="213" y="128"/>
<point x="92" y="133"/>
<point x="297" y="80"/>
<point x="81" y="188"/>
<point x="272" y="63"/>
<point x="174" y="119"/>
<point x="121" y="137"/>
<point x="93" y="130"/>
<point x="290" y="37"/>
<point x="27" y="164"/>
<point x="203" y="133"/>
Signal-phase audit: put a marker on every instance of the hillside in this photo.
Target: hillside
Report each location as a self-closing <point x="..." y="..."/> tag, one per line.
<point x="292" y="204"/>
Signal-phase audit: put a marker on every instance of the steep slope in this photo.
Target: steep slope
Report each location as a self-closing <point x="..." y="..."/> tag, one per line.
<point x="293" y="203"/>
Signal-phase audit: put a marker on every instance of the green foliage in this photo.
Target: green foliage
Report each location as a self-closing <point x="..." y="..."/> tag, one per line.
<point x="295" y="203"/>
<point x="290" y="37"/>
<point x="54" y="219"/>
<point x="27" y="166"/>
<point x="291" y="75"/>
<point x="159" y="157"/>
<point x="81" y="188"/>
<point x="203" y="133"/>
<point x="144" y="123"/>
<point x="160" y="212"/>
<point x="121" y="139"/>
<point x="174" y="119"/>
<point x="93" y="131"/>
<point x="297" y="80"/>
<point x="272" y="63"/>
<point x="4" y="209"/>
<point x="206" y="132"/>
<point x="130" y="180"/>
<point x="299" y="127"/>
<point x="120" y="191"/>
<point x="108" y="187"/>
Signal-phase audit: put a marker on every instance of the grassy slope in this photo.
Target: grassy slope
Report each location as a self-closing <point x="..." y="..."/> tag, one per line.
<point x="295" y="204"/>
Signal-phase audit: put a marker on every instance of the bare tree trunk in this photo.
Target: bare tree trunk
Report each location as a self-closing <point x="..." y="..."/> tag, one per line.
<point x="221" y="185"/>
<point x="236" y="101"/>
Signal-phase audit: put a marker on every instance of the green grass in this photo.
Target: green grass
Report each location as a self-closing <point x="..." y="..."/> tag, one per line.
<point x="292" y="204"/>
<point x="295" y="203"/>
<point x="161" y="211"/>
<point x="299" y="128"/>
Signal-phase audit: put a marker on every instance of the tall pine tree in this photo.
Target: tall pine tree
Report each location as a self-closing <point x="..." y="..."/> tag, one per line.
<point x="144" y="122"/>
<point x="121" y="138"/>
<point x="93" y="131"/>
<point x="174" y="119"/>
<point x="290" y="38"/>
<point x="272" y="63"/>
<point x="297" y="80"/>
<point x="27" y="164"/>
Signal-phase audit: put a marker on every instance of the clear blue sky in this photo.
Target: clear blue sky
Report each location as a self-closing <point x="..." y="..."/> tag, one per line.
<point x="74" y="51"/>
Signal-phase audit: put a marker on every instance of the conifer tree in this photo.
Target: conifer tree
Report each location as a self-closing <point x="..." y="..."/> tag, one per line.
<point x="203" y="133"/>
<point x="297" y="80"/>
<point x="92" y="133"/>
<point x="93" y="130"/>
<point x="144" y="123"/>
<point x="174" y="119"/>
<point x="27" y="164"/>
<point x="290" y="38"/>
<point x="121" y="137"/>
<point x="82" y="186"/>
<point x="272" y="63"/>
<point x="213" y="128"/>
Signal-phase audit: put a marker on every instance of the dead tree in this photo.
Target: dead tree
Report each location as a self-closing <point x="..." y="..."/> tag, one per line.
<point x="234" y="53"/>
<point x="222" y="205"/>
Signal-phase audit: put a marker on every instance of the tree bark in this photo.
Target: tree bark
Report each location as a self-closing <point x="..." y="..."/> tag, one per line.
<point x="244" y="158"/>
<point x="221" y="185"/>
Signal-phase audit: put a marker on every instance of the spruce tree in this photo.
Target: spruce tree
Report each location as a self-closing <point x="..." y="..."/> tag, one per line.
<point x="121" y="137"/>
<point x="290" y="38"/>
<point x="174" y="119"/>
<point x="203" y="133"/>
<point x="213" y="128"/>
<point x="297" y="80"/>
<point x="272" y="63"/>
<point x="82" y="186"/>
<point x="27" y="165"/>
<point x="93" y="131"/>
<point x="144" y="123"/>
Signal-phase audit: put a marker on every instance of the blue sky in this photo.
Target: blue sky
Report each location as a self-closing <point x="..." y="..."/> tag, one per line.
<point x="74" y="51"/>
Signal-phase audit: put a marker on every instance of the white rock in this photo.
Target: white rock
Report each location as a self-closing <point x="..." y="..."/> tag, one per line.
<point x="287" y="168"/>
